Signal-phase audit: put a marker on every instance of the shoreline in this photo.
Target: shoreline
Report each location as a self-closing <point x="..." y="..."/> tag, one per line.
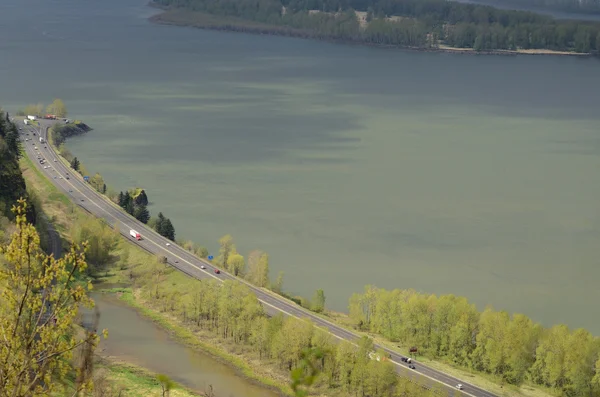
<point x="170" y="17"/>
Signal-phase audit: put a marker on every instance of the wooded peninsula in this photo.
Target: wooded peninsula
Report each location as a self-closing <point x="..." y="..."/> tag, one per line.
<point x="435" y="25"/>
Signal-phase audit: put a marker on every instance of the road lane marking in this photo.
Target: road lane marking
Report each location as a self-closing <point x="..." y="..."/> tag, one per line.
<point x="309" y="315"/>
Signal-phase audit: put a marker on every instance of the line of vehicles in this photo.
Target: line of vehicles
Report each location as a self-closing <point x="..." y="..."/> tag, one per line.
<point x="137" y="236"/>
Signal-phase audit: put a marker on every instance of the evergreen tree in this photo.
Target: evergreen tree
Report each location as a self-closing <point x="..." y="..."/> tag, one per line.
<point x="169" y="230"/>
<point x="127" y="200"/>
<point x="12" y="140"/>
<point x="129" y="208"/>
<point x="121" y="200"/>
<point x="75" y="164"/>
<point x="141" y="213"/>
<point x="141" y="198"/>
<point x="160" y="224"/>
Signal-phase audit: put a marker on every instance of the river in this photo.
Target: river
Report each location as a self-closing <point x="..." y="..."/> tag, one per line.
<point x="137" y="340"/>
<point x="471" y="175"/>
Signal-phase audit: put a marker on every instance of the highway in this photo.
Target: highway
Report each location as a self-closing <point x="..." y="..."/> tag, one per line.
<point x="84" y="195"/>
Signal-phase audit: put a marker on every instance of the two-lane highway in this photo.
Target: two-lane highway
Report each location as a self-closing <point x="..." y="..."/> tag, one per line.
<point x="84" y="195"/>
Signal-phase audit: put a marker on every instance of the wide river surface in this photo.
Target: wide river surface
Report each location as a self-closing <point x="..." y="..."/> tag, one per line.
<point x="472" y="175"/>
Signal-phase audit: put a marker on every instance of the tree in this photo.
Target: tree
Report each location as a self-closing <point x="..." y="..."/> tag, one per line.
<point x="318" y="302"/>
<point x="278" y="286"/>
<point x="165" y="383"/>
<point x="140" y="198"/>
<point x="40" y="305"/>
<point x="12" y="140"/>
<point x="141" y="213"/>
<point x="169" y="230"/>
<point x="57" y="108"/>
<point x="34" y="110"/>
<point x="226" y="247"/>
<point x="202" y="252"/>
<point x="258" y="268"/>
<point x="121" y="199"/>
<point x="129" y="208"/>
<point x="75" y="164"/>
<point x="97" y="182"/>
<point x="160" y="222"/>
<point x="235" y="263"/>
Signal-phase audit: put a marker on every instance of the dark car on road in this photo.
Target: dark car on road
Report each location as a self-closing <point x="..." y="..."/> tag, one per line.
<point x="217" y="271"/>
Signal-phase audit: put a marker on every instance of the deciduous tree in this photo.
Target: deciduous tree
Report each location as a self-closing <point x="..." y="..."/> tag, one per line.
<point x="318" y="301"/>
<point x="57" y="108"/>
<point x="40" y="304"/>
<point x="235" y="263"/>
<point x="226" y="247"/>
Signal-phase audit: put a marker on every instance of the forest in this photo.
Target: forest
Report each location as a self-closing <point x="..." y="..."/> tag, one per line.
<point x="578" y="6"/>
<point x="12" y="184"/>
<point x="422" y="24"/>
<point x="513" y="348"/>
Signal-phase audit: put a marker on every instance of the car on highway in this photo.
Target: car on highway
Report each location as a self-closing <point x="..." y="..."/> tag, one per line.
<point x="168" y="244"/>
<point x="459" y="386"/>
<point x="217" y="271"/>
<point x="202" y="267"/>
<point x="412" y="367"/>
<point x="66" y="177"/>
<point x="55" y="177"/>
<point x="55" y="160"/>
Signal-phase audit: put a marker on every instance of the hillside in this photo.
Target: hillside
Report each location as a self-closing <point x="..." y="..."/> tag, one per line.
<point x="12" y="184"/>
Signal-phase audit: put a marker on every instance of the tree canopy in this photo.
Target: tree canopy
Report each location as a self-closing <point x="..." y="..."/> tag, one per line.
<point x="40" y="300"/>
<point x="407" y="23"/>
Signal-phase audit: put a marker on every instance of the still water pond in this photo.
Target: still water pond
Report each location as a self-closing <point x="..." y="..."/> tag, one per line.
<point x="135" y="339"/>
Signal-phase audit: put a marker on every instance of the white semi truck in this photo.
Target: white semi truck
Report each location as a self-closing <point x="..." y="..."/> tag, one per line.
<point x="135" y="234"/>
<point x="32" y="117"/>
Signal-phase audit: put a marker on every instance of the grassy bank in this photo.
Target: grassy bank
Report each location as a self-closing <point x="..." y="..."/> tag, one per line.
<point x="124" y="379"/>
<point x="202" y="20"/>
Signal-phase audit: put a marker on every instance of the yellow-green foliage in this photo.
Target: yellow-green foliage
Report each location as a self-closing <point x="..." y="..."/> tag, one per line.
<point x="230" y="313"/>
<point x="40" y="301"/>
<point x="513" y="348"/>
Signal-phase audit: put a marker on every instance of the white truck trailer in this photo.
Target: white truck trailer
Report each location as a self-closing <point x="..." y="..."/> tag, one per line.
<point x="26" y="121"/>
<point x="135" y="234"/>
<point x="32" y="117"/>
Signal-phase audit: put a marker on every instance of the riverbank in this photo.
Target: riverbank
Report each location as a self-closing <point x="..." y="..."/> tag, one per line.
<point x="114" y="377"/>
<point x="201" y="20"/>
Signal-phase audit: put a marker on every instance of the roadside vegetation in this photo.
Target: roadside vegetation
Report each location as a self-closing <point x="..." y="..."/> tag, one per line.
<point x="420" y="24"/>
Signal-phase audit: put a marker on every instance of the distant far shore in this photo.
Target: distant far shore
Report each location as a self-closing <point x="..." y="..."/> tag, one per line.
<point x="201" y="20"/>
